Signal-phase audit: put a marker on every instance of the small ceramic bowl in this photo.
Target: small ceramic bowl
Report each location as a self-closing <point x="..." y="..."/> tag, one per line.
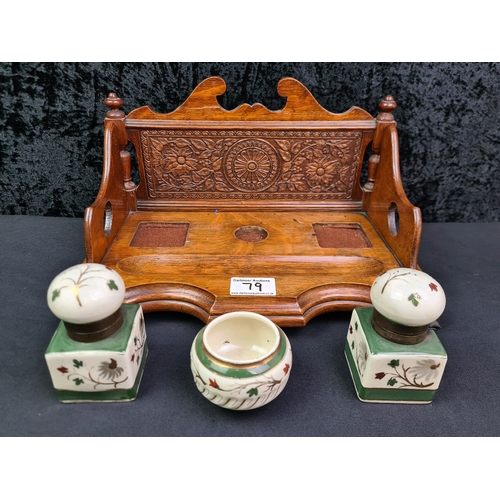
<point x="241" y="360"/>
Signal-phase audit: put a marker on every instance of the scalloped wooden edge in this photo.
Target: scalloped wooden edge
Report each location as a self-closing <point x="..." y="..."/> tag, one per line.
<point x="202" y="105"/>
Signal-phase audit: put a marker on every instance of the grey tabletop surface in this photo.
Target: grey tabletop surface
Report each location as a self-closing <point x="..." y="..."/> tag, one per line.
<point x="319" y="399"/>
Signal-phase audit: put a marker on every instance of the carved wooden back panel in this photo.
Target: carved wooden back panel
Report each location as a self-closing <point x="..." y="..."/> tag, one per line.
<point x="201" y="154"/>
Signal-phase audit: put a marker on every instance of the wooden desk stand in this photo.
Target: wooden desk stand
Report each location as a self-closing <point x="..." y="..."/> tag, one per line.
<point x="251" y="193"/>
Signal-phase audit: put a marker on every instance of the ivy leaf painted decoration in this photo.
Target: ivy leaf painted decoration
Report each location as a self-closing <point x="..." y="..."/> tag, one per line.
<point x="78" y="381"/>
<point x="433" y="287"/>
<point x="85" y="274"/>
<point x="408" y="376"/>
<point x="415" y="299"/>
<point x="253" y="391"/>
<point x="77" y="364"/>
<point x="112" y="285"/>
<point x="63" y="369"/>
<point x="213" y="383"/>
<point x="287" y="368"/>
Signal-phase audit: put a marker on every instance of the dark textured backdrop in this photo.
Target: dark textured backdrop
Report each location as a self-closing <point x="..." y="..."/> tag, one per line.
<point x="51" y="124"/>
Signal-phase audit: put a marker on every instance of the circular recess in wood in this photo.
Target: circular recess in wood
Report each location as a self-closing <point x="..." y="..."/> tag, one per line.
<point x="251" y="233"/>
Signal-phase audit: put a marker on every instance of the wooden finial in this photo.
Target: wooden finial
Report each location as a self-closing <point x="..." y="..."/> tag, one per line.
<point x="114" y="102"/>
<point x="386" y="106"/>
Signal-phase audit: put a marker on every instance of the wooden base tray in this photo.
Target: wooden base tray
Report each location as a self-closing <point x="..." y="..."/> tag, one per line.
<point x="185" y="261"/>
<point x="228" y="198"/>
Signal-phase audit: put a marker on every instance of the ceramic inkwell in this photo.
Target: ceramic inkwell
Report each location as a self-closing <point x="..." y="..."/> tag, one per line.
<point x="241" y="360"/>
<point x="392" y="349"/>
<point x="98" y="351"/>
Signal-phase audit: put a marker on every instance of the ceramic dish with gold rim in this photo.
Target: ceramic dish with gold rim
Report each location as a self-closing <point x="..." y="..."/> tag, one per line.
<point x="241" y="360"/>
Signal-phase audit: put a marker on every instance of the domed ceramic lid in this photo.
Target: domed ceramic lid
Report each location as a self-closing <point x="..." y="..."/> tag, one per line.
<point x="408" y="297"/>
<point x="86" y="293"/>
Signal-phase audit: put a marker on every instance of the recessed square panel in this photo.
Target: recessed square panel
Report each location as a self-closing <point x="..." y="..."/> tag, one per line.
<point x="160" y="234"/>
<point x="341" y="236"/>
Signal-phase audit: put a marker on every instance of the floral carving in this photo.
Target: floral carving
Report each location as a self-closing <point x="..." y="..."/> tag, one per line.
<point x="321" y="171"/>
<point x="178" y="164"/>
<point x="178" y="160"/>
<point x="255" y="164"/>
<point x="319" y="165"/>
<point x="251" y="165"/>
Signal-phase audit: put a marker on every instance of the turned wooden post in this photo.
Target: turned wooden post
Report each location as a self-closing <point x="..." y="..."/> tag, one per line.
<point x="117" y="115"/>
<point x="114" y="102"/>
<point x="385" y="117"/>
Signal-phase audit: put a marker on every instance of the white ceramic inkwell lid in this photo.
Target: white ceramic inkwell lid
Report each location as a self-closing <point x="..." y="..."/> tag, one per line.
<point x="406" y="303"/>
<point x="88" y="299"/>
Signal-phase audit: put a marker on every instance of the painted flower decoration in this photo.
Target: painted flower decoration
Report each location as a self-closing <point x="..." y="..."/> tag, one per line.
<point x="411" y="377"/>
<point x="110" y="370"/>
<point x="180" y="160"/>
<point x="321" y="171"/>
<point x="426" y="369"/>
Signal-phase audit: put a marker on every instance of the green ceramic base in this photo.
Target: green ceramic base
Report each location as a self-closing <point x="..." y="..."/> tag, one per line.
<point x="111" y="396"/>
<point x="388" y="372"/>
<point x="385" y="395"/>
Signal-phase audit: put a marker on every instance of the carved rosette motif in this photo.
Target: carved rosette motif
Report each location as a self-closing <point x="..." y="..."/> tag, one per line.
<point x="250" y="164"/>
